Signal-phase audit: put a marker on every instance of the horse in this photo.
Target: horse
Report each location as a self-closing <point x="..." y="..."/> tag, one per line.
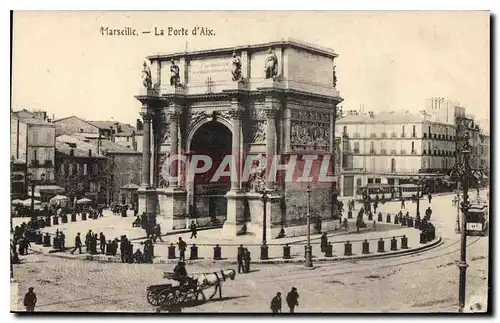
<point x="214" y="279"/>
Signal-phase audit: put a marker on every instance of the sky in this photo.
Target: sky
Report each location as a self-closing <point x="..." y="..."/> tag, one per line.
<point x="387" y="60"/>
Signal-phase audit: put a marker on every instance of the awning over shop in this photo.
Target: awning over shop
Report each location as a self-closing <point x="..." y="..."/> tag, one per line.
<point x="49" y="189"/>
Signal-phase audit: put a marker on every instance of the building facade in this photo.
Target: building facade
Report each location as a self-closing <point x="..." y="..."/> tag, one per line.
<point x="33" y="144"/>
<point x="274" y="99"/>
<point x="393" y="148"/>
<point x="81" y="170"/>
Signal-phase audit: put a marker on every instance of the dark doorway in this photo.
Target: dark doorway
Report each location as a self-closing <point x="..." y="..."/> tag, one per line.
<point x="212" y="139"/>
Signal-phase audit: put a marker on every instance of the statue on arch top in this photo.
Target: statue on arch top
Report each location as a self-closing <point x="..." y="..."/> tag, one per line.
<point x="236" y="71"/>
<point x="146" y="76"/>
<point x="271" y="66"/>
<point x="334" y="76"/>
<point x="174" y="74"/>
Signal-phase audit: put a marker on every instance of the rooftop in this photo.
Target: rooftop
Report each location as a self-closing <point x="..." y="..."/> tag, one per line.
<point x="82" y="146"/>
<point x="386" y="117"/>
<point x="290" y="42"/>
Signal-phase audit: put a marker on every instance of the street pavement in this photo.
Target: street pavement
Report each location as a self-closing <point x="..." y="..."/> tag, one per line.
<point x="422" y="282"/>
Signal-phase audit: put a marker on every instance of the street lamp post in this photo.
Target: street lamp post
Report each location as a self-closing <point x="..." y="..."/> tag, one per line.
<point x="462" y="265"/>
<point x="264" y="255"/>
<point x="457" y="229"/>
<point x="308" y="247"/>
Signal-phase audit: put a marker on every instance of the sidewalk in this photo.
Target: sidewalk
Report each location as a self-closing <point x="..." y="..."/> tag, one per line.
<point x="206" y="243"/>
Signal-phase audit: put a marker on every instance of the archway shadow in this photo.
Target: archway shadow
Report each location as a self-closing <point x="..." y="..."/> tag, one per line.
<point x="194" y="303"/>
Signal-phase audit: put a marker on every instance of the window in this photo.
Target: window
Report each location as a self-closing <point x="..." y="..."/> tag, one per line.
<point x="85" y="169"/>
<point x="358" y="182"/>
<point x="356" y="147"/>
<point x="414" y="133"/>
<point x="370" y="181"/>
<point x="412" y="147"/>
<point x="378" y="180"/>
<point x="429" y="147"/>
<point x="429" y="131"/>
<point x="34" y="137"/>
<point x="393" y="165"/>
<point x="345" y="130"/>
<point x="402" y="131"/>
<point x="372" y="146"/>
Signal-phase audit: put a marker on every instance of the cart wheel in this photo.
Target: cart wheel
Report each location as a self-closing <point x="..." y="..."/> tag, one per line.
<point x="152" y="298"/>
<point x="191" y="296"/>
<point x="166" y="298"/>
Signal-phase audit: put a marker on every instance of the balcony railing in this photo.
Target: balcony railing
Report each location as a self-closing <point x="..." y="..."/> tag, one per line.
<point x="384" y="135"/>
<point x="373" y="135"/>
<point x="383" y="152"/>
<point x="393" y="152"/>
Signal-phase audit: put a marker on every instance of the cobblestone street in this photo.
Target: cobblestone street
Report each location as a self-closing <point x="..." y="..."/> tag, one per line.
<point x="426" y="282"/>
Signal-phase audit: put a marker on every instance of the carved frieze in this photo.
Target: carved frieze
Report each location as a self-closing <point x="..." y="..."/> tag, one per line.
<point x="314" y="116"/>
<point x="259" y="131"/>
<point x="306" y="133"/>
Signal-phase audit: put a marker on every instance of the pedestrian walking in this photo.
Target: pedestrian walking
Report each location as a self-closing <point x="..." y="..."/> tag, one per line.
<point x="239" y="258"/>
<point x="88" y="241"/>
<point x="292" y="299"/>
<point x="158" y="232"/>
<point x="324" y="241"/>
<point x="30" y="300"/>
<point x="182" y="249"/>
<point x="403" y="203"/>
<point x="193" y="229"/>
<point x="276" y="304"/>
<point x="62" y="241"/>
<point x="78" y="244"/>
<point x="246" y="260"/>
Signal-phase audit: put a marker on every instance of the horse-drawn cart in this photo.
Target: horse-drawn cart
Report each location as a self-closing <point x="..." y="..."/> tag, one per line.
<point x="165" y="295"/>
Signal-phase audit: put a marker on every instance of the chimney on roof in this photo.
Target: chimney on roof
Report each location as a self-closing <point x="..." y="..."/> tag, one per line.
<point x="40" y="115"/>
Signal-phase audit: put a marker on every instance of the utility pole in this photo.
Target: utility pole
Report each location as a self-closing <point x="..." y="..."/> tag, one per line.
<point x="308" y="250"/>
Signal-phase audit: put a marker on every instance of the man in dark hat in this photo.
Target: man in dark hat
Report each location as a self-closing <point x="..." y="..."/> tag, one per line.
<point x="246" y="259"/>
<point x="193" y="229"/>
<point x="62" y="241"/>
<point x="30" y="300"/>
<point x="180" y="273"/>
<point x="276" y="303"/>
<point x="78" y="243"/>
<point x="239" y="258"/>
<point x="102" y="242"/>
<point x="292" y="299"/>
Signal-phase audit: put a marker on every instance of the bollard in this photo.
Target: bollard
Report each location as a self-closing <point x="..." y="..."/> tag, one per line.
<point x="394" y="244"/>
<point x="47" y="221"/>
<point x="396" y="219"/>
<point x="410" y="222"/>
<point x="366" y="247"/>
<point x="370" y="216"/>
<point x="109" y="249"/>
<point x="388" y="219"/>
<point x="171" y="251"/>
<point x="379" y="217"/>
<point x="329" y="250"/>
<point x="403" y="221"/>
<point x="349" y="215"/>
<point x="423" y="237"/>
<point x="73" y="217"/>
<point x="404" y="242"/>
<point x="194" y="252"/>
<point x="264" y="252"/>
<point x="217" y="252"/>
<point x="381" y="245"/>
<point x="41" y="224"/>
<point x="39" y="238"/>
<point x="84" y="216"/>
<point x="55" y="221"/>
<point x="286" y="251"/>
<point x="348" y="249"/>
<point x="64" y="218"/>
<point x="416" y="224"/>
<point x="46" y="240"/>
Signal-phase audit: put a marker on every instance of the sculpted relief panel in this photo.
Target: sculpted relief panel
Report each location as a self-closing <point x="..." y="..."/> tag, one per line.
<point x="310" y="129"/>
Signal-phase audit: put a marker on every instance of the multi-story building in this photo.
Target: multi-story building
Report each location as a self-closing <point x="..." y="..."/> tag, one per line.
<point x="484" y="152"/>
<point x="99" y="131"/>
<point x="393" y="148"/>
<point x="33" y="144"/>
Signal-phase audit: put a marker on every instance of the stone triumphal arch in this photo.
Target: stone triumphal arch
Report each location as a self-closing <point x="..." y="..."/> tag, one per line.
<point x="274" y="101"/>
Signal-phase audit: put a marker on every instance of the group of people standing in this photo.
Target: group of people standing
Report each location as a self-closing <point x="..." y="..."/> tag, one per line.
<point x="243" y="259"/>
